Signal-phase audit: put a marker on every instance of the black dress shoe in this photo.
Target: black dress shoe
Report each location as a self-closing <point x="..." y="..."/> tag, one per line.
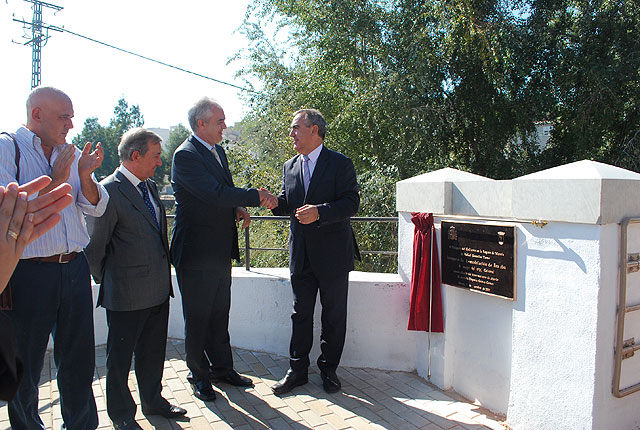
<point x="330" y="381"/>
<point x="231" y="377"/>
<point x="202" y="389"/>
<point x="127" y="425"/>
<point x="170" y="411"/>
<point x="289" y="382"/>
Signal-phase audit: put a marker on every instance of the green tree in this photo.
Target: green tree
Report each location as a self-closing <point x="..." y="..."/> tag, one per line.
<point x="410" y="86"/>
<point x="124" y="119"/>
<point x="178" y="135"/>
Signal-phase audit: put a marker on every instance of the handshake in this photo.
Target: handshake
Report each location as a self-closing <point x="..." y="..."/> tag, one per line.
<point x="267" y="200"/>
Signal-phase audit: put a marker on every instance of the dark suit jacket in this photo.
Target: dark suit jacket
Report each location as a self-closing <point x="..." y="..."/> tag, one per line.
<point x="328" y="243"/>
<point x="205" y="234"/>
<point x="127" y="254"/>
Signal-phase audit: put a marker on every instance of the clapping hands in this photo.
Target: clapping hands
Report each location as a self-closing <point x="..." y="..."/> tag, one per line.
<point x="22" y="221"/>
<point x="90" y="161"/>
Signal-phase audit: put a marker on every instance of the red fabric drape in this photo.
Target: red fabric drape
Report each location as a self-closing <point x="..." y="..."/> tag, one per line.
<point x="421" y="278"/>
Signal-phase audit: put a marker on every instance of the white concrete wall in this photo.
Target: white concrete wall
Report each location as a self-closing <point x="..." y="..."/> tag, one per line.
<point x="260" y="318"/>
<point x="473" y="356"/>
<point x="555" y="327"/>
<point x="545" y="360"/>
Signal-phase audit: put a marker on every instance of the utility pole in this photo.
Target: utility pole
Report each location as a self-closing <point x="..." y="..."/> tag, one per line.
<point x="38" y="38"/>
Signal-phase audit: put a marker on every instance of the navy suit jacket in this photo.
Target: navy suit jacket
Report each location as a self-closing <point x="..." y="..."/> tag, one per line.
<point x="128" y="255"/>
<point x="205" y="235"/>
<point x="328" y="243"/>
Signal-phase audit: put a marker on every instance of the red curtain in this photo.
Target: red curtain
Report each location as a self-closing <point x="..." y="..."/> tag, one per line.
<point x="425" y="258"/>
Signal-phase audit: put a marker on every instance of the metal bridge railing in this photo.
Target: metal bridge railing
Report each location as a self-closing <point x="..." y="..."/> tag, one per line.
<point x="247" y="239"/>
<point x="248" y="248"/>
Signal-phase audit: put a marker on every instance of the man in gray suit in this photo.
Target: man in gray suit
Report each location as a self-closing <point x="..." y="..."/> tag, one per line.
<point x="129" y="258"/>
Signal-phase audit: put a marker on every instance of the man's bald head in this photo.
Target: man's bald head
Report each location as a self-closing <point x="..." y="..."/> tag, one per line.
<point x="49" y="113"/>
<point x="44" y="95"/>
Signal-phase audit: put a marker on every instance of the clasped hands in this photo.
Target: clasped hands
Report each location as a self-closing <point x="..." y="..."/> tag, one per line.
<point x="306" y="214"/>
<point x="267" y="200"/>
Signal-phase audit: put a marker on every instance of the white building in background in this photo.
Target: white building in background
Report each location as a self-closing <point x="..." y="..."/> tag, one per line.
<point x="543" y="132"/>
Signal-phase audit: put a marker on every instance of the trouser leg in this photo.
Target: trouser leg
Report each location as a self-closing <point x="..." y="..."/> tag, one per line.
<point x="35" y="291"/>
<point x="196" y="309"/>
<point x="305" y="290"/>
<point x="218" y="343"/>
<point x="124" y="330"/>
<point x="333" y="297"/>
<point x="149" y="356"/>
<point x="74" y="347"/>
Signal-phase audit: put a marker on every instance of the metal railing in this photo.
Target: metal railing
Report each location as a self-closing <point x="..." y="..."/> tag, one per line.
<point x="247" y="242"/>
<point x="248" y="248"/>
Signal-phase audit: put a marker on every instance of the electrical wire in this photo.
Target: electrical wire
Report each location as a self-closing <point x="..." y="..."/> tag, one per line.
<point x="62" y="29"/>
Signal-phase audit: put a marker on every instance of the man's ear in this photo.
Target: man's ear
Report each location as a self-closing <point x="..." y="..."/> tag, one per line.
<point x="36" y="113"/>
<point x="135" y="155"/>
<point x="314" y="129"/>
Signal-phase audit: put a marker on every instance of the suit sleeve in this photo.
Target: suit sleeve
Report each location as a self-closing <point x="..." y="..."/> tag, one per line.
<point x="190" y="172"/>
<point x="347" y="199"/>
<point x="100" y="229"/>
<point x="283" y="207"/>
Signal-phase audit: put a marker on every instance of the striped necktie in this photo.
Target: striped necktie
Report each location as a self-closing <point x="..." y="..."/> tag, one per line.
<point x="306" y="176"/>
<point x="147" y="201"/>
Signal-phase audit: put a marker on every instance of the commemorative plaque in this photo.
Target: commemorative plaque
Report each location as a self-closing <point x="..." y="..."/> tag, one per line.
<point x="479" y="257"/>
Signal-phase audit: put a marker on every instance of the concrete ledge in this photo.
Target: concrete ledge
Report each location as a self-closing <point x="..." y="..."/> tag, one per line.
<point x="260" y="317"/>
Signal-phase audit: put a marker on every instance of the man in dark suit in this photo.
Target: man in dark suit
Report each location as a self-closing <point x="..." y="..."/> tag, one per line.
<point x="320" y="194"/>
<point x="204" y="240"/>
<point x="129" y="258"/>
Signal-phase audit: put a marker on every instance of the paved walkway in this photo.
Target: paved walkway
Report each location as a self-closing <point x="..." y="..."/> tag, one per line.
<point x="370" y="399"/>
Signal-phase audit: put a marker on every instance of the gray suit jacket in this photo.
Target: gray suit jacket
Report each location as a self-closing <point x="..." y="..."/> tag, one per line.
<point x="128" y="255"/>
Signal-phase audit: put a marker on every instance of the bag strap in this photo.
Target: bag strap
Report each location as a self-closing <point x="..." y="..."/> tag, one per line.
<point x="15" y="144"/>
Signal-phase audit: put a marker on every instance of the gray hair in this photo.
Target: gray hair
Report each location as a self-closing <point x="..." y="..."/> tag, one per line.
<point x="314" y="117"/>
<point x="201" y="110"/>
<point x="136" y="139"/>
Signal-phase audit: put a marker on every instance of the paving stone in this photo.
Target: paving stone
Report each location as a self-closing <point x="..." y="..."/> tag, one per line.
<point x="312" y="418"/>
<point x="296" y="404"/>
<point x="279" y="424"/>
<point x="358" y="423"/>
<point x="370" y="399"/>
<point x="290" y="414"/>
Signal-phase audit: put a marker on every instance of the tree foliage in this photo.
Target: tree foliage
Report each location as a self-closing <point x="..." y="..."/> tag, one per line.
<point x="420" y="85"/>
<point x="177" y="135"/>
<point x="124" y="119"/>
<point x="410" y="86"/>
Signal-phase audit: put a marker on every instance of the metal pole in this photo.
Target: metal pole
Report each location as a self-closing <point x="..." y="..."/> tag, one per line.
<point x="247" y="257"/>
<point x="431" y="232"/>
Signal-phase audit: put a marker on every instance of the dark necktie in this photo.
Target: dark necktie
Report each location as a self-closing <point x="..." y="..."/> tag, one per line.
<point x="147" y="201"/>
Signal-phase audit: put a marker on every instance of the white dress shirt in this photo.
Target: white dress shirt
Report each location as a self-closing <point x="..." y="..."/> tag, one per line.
<point x="70" y="234"/>
<point x="211" y="148"/>
<point x="135" y="181"/>
<point x="313" y="159"/>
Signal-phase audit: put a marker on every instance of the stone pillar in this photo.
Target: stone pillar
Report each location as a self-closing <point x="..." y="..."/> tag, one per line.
<point x="545" y="360"/>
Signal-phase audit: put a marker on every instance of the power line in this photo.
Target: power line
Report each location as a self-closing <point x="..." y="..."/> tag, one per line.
<point x="158" y="61"/>
<point x="62" y="29"/>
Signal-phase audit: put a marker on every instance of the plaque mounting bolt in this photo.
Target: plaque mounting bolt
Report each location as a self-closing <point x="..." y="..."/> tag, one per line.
<point x="539" y="223"/>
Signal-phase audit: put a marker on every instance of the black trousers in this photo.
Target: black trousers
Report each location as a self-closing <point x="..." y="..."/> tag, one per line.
<point x="206" y="301"/>
<point x="333" y="290"/>
<point x="143" y="334"/>
<point x="54" y="299"/>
